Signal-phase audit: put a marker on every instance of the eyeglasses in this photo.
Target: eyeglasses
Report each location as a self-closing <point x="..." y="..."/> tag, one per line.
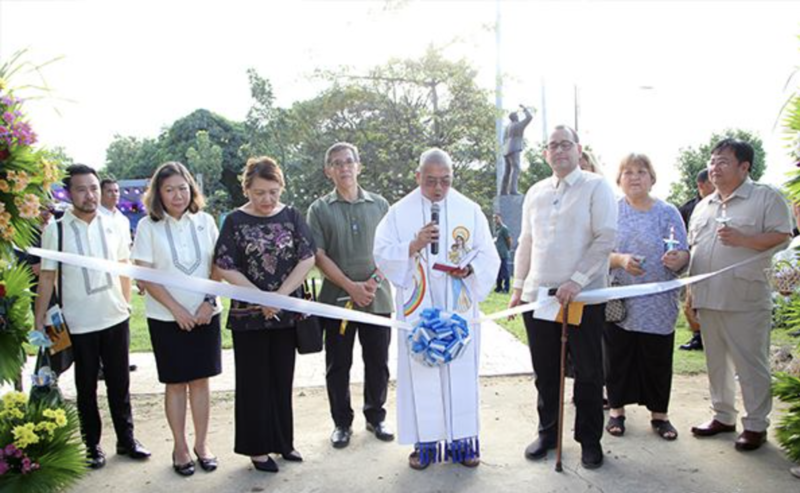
<point x="444" y="181"/>
<point x="564" y="145"/>
<point x="349" y="162"/>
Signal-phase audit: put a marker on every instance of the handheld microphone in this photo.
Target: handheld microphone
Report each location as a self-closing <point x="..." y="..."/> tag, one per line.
<point x="435" y="220"/>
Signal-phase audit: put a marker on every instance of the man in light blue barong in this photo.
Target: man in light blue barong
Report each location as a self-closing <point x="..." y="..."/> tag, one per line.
<point x="436" y="248"/>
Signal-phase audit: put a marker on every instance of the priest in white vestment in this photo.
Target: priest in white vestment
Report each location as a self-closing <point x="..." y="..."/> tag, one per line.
<point x="437" y="406"/>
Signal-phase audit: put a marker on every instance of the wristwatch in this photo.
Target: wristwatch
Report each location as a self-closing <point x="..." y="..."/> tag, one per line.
<point x="211" y="300"/>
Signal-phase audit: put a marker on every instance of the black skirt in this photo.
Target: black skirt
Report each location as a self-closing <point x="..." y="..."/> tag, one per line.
<point x="183" y="356"/>
<point x="638" y="368"/>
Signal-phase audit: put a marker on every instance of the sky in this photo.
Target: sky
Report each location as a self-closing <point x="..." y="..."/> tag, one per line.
<point x="651" y="77"/>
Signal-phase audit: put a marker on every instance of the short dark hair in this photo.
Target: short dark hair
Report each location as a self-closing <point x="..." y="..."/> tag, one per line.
<point x="570" y="130"/>
<point x="702" y="176"/>
<point x="741" y="149"/>
<point x="152" y="198"/>
<point x="75" y="170"/>
<point x="107" y="181"/>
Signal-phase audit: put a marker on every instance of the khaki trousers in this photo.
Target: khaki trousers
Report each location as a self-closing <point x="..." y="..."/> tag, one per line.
<point x="737" y="344"/>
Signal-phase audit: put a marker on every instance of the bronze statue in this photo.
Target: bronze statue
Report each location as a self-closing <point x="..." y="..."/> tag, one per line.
<point x="512" y="148"/>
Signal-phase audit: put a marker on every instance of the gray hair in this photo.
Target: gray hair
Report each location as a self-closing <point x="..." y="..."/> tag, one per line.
<point x="341" y="146"/>
<point x="435" y="156"/>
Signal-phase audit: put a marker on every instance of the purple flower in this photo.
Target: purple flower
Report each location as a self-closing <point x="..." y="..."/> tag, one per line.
<point x="3" y="467"/>
<point x="10" y="450"/>
<point x="9" y="117"/>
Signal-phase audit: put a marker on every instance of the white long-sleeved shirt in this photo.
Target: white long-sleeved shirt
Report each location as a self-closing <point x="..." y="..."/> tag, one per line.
<point x="568" y="229"/>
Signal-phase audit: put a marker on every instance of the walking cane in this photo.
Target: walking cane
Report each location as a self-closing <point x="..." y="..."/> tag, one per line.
<point x="559" y="443"/>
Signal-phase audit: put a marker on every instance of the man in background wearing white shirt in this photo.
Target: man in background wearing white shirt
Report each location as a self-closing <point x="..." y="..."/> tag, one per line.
<point x="109" y="200"/>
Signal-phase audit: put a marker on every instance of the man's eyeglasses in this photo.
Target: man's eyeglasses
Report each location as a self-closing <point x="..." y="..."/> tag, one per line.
<point x="444" y="181"/>
<point x="341" y="163"/>
<point x="564" y="145"/>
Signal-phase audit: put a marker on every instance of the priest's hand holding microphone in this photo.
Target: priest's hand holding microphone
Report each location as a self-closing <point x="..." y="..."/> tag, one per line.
<point x="429" y="235"/>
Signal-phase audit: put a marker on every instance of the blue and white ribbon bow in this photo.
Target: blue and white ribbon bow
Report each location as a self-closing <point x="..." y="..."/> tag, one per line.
<point x="439" y="337"/>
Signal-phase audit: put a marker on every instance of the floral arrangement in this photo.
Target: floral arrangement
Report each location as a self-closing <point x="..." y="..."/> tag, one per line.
<point x="16" y="318"/>
<point x="40" y="447"/>
<point x="787" y="387"/>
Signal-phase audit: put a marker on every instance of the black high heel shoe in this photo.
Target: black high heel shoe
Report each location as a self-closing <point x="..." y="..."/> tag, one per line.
<point x="268" y="465"/>
<point x="183" y="469"/>
<point x="209" y="464"/>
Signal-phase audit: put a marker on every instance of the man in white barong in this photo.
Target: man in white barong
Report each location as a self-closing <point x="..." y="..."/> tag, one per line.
<point x="437" y="406"/>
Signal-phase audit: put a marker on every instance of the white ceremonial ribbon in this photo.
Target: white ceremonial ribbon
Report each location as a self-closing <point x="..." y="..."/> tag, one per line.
<point x="207" y="286"/>
<point x="264" y="298"/>
<point x="602" y="295"/>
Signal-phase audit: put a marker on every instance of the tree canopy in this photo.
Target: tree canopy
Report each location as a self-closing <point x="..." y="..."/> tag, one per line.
<point x="694" y="159"/>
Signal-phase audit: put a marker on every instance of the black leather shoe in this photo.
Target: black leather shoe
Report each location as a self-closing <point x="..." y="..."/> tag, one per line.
<point x="293" y="456"/>
<point x="712" y="428"/>
<point x="591" y="456"/>
<point x="538" y="449"/>
<point x="268" y="465"/>
<point x="183" y="469"/>
<point x="751" y="440"/>
<point x="694" y="344"/>
<point x="381" y="431"/>
<point x="340" y="438"/>
<point x="207" y="464"/>
<point x="133" y="450"/>
<point x="95" y="458"/>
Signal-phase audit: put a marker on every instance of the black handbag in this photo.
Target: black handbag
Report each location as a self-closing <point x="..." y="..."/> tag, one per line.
<point x="616" y="311"/>
<point x="309" y="327"/>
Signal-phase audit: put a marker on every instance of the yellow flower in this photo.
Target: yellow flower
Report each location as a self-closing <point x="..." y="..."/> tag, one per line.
<point x="4" y="187"/>
<point x="5" y="220"/>
<point x="8" y="233"/>
<point x="14" y="399"/>
<point x="24" y="435"/>
<point x="57" y="415"/>
<point x="46" y="426"/>
<point x="11" y="414"/>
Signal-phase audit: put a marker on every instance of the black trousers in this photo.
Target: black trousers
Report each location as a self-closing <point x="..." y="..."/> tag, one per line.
<point x="503" y="283"/>
<point x="264" y="419"/>
<point x="339" y="359"/>
<point x="109" y="346"/>
<point x="638" y="368"/>
<point x="585" y="348"/>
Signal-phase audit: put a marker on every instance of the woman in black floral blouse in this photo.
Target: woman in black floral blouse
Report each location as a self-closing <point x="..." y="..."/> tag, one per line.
<point x="265" y="245"/>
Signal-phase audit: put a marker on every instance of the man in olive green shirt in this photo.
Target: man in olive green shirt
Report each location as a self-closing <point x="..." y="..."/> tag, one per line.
<point x="343" y="224"/>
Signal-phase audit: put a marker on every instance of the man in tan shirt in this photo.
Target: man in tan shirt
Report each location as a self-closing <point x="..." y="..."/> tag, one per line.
<point x="739" y="221"/>
<point x="569" y="221"/>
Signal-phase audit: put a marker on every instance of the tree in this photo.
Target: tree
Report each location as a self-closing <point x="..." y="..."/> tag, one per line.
<point x="130" y="157"/>
<point x="228" y="135"/>
<point x="204" y="159"/>
<point x="692" y="160"/>
<point x="392" y="114"/>
<point x="537" y="169"/>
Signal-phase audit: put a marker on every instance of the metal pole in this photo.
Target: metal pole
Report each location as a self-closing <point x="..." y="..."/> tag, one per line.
<point x="498" y="101"/>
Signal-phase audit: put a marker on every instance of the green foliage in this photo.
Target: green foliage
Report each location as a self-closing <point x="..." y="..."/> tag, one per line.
<point x="60" y="456"/>
<point x="131" y="158"/>
<point x="537" y="169"/>
<point x="204" y="160"/>
<point x="17" y="280"/>
<point x="786" y="312"/>
<point x="787" y="389"/>
<point x="694" y="159"/>
<point x="392" y="114"/>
